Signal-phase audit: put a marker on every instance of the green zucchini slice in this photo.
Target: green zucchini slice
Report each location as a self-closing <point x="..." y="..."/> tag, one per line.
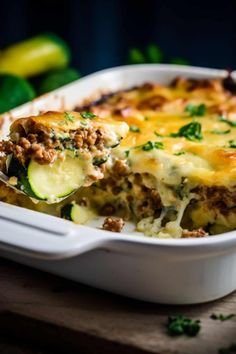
<point x="57" y="180"/>
<point x="76" y="213"/>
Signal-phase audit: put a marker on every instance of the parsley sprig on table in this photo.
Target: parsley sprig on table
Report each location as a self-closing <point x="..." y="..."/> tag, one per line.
<point x="179" y="325"/>
<point x="222" y="317"/>
<point x="196" y="110"/>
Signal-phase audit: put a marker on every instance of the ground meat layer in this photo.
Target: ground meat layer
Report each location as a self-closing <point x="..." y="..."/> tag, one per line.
<point x="44" y="145"/>
<point x="114" y="224"/>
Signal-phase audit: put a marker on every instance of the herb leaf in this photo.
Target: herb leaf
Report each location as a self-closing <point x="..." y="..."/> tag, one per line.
<point x="68" y="117"/>
<point x="232" y="144"/>
<point x="221" y="317"/>
<point x="88" y="115"/>
<point x="194" y="110"/>
<point x="179" y="153"/>
<point x="99" y="161"/>
<point x="179" y="325"/>
<point x="134" y="129"/>
<point x="231" y="123"/>
<point x="191" y="131"/>
<point x="221" y="132"/>
<point x="126" y="153"/>
<point x="152" y="145"/>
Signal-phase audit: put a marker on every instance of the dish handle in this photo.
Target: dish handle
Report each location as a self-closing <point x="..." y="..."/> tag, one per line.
<point x="39" y="235"/>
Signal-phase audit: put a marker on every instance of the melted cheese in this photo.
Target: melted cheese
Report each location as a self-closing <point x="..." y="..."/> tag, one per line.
<point x="155" y="114"/>
<point x="66" y="121"/>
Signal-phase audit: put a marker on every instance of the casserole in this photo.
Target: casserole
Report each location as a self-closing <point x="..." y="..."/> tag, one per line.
<point x="167" y="271"/>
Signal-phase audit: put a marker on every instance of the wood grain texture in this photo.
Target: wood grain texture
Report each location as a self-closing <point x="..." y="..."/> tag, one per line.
<point x="71" y="318"/>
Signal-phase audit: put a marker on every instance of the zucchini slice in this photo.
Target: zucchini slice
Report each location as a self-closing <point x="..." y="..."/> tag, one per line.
<point x="76" y="213"/>
<point x="57" y="180"/>
<point x="35" y="56"/>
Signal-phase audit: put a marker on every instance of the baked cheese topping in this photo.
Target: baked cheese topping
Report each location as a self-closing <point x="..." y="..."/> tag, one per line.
<point x="183" y="136"/>
<point x="174" y="171"/>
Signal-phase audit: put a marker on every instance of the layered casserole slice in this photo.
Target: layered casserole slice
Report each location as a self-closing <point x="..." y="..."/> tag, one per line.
<point x="174" y="174"/>
<point x="51" y="156"/>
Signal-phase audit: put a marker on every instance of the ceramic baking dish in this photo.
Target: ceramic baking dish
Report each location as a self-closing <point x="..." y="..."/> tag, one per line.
<point x="172" y="271"/>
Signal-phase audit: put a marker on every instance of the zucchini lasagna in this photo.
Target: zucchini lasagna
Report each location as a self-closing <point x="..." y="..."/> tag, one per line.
<point x="173" y="173"/>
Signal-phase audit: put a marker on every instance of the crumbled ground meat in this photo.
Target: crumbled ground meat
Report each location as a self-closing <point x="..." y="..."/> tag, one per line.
<point x="107" y="209"/>
<point x="114" y="224"/>
<point x="42" y="144"/>
<point x="217" y="197"/>
<point x="194" y="233"/>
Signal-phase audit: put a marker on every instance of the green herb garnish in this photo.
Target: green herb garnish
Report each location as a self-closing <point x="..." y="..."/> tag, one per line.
<point x="150" y="145"/>
<point x="83" y="124"/>
<point x="179" y="325"/>
<point x="191" y="131"/>
<point x="221" y="132"/>
<point x="68" y="117"/>
<point x="196" y="111"/>
<point x="222" y="318"/>
<point x="227" y="121"/>
<point x="231" y="349"/>
<point x="127" y="153"/>
<point x="88" y="115"/>
<point x="232" y="144"/>
<point x="97" y="161"/>
<point x="179" y="153"/>
<point x="159" y="135"/>
<point x="134" y="129"/>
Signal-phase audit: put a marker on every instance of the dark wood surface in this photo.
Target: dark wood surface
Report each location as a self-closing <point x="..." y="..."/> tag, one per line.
<point x="45" y="314"/>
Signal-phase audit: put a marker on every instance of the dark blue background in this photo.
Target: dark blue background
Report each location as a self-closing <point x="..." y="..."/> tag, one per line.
<point x="101" y="32"/>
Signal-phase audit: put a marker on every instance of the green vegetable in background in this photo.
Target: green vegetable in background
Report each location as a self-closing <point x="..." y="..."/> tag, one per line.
<point x="135" y="56"/>
<point x="154" y="54"/>
<point x="57" y="78"/>
<point x="35" y="56"/>
<point x="14" y="91"/>
<point x="179" y="61"/>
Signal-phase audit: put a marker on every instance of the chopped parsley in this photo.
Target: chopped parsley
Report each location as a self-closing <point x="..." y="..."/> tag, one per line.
<point x="196" y="111"/>
<point x="88" y="115"/>
<point x="126" y="153"/>
<point x="150" y="145"/>
<point x="222" y="318"/>
<point x="179" y="325"/>
<point x="83" y="124"/>
<point x="191" y="131"/>
<point x="134" y="129"/>
<point x="179" y="153"/>
<point x="221" y="132"/>
<point x="159" y="135"/>
<point x="231" y="349"/>
<point x="231" y="123"/>
<point x="97" y="161"/>
<point x="232" y="144"/>
<point x="68" y="118"/>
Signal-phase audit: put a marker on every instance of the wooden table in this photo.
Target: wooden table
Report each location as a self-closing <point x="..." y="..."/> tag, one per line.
<point x="56" y="315"/>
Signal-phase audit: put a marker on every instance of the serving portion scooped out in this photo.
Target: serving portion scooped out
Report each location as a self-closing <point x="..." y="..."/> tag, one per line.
<point x="49" y="157"/>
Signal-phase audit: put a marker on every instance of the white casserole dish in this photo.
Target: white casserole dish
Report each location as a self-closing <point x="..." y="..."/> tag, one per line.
<point x="171" y="271"/>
